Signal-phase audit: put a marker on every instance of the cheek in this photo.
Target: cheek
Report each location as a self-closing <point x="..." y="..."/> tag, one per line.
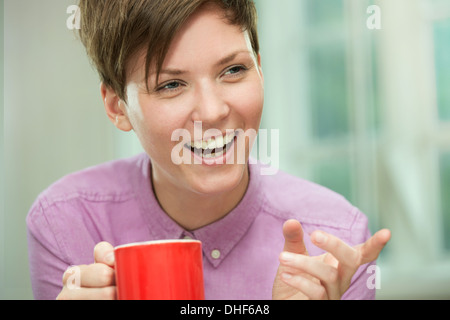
<point x="153" y="123"/>
<point x="248" y="101"/>
<point x="154" y="128"/>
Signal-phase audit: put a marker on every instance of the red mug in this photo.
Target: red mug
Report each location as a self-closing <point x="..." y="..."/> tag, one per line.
<point x="160" y="270"/>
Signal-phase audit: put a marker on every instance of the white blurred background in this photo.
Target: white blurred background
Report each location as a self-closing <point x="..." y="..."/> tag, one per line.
<point x="365" y="112"/>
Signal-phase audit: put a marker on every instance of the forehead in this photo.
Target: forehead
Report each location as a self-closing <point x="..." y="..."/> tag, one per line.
<point x="205" y="38"/>
<point x="206" y="33"/>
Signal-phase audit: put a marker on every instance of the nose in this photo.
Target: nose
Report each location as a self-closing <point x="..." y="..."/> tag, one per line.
<point x="211" y="106"/>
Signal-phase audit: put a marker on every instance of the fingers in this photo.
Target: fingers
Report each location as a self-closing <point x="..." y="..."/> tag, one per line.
<point x="351" y="258"/>
<point x="308" y="265"/>
<point x="91" y="282"/>
<point x="370" y="250"/>
<point x="327" y="276"/>
<point x="104" y="253"/>
<point x="307" y="286"/>
<point x="107" y="293"/>
<point x="88" y="282"/>
<point x="293" y="235"/>
<point x="346" y="255"/>
<point x="301" y="264"/>
<point x="90" y="276"/>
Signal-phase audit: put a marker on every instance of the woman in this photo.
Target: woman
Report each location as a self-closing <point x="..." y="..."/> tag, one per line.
<point x="167" y="66"/>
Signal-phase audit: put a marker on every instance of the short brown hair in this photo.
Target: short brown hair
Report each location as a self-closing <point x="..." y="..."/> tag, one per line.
<point x="114" y="31"/>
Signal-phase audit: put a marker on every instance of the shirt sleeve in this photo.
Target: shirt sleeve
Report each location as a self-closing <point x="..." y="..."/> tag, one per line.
<point x="361" y="287"/>
<point x="46" y="258"/>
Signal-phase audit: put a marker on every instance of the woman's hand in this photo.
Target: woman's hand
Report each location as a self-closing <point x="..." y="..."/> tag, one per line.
<point x="91" y="282"/>
<point x="323" y="277"/>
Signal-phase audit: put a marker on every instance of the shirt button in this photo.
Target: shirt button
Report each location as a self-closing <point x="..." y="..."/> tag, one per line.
<point x="215" y="254"/>
<point x="187" y="238"/>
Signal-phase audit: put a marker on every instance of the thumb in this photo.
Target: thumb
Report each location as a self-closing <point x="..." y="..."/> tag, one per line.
<point x="104" y="253"/>
<point x="293" y="236"/>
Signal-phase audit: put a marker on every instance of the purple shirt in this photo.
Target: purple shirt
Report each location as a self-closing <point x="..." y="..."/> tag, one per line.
<point x="114" y="202"/>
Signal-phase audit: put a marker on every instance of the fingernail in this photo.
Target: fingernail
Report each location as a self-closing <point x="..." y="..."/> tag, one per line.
<point x="287" y="256"/>
<point x="109" y="258"/>
<point x="319" y="237"/>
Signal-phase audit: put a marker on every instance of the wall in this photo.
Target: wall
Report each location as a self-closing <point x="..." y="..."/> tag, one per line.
<point x="54" y="121"/>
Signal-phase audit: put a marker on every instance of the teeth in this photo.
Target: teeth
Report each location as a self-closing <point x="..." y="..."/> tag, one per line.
<point x="219" y="142"/>
<point x="211" y="155"/>
<point x="198" y="144"/>
<point x="214" y="143"/>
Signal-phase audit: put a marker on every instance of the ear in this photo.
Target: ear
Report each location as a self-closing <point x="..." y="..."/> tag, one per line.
<point x="115" y="108"/>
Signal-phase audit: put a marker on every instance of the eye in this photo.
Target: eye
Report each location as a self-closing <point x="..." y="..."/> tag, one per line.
<point x="235" y="70"/>
<point x="170" y="86"/>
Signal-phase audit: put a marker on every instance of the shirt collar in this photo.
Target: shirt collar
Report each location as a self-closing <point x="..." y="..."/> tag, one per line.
<point x="218" y="238"/>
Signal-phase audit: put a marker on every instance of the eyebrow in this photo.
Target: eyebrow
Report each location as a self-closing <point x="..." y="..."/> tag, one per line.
<point x="221" y="62"/>
<point x="231" y="57"/>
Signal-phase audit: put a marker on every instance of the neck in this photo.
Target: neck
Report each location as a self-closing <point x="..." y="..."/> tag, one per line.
<point x="192" y="210"/>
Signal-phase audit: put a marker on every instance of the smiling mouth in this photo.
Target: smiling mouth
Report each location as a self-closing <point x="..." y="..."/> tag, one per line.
<point x="213" y="147"/>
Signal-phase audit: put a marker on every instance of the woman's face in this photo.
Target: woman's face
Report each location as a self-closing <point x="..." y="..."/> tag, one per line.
<point x="210" y="77"/>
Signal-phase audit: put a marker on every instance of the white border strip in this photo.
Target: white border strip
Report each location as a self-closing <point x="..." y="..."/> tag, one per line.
<point x="135" y="244"/>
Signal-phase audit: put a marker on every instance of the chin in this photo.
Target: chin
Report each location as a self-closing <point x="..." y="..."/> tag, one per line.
<point x="213" y="183"/>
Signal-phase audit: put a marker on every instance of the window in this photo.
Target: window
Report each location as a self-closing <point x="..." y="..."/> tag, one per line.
<point x="330" y="116"/>
<point x="445" y="196"/>
<point x="440" y="19"/>
<point x="442" y="54"/>
<point x="367" y="114"/>
<point x="328" y="100"/>
<point x="441" y="33"/>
